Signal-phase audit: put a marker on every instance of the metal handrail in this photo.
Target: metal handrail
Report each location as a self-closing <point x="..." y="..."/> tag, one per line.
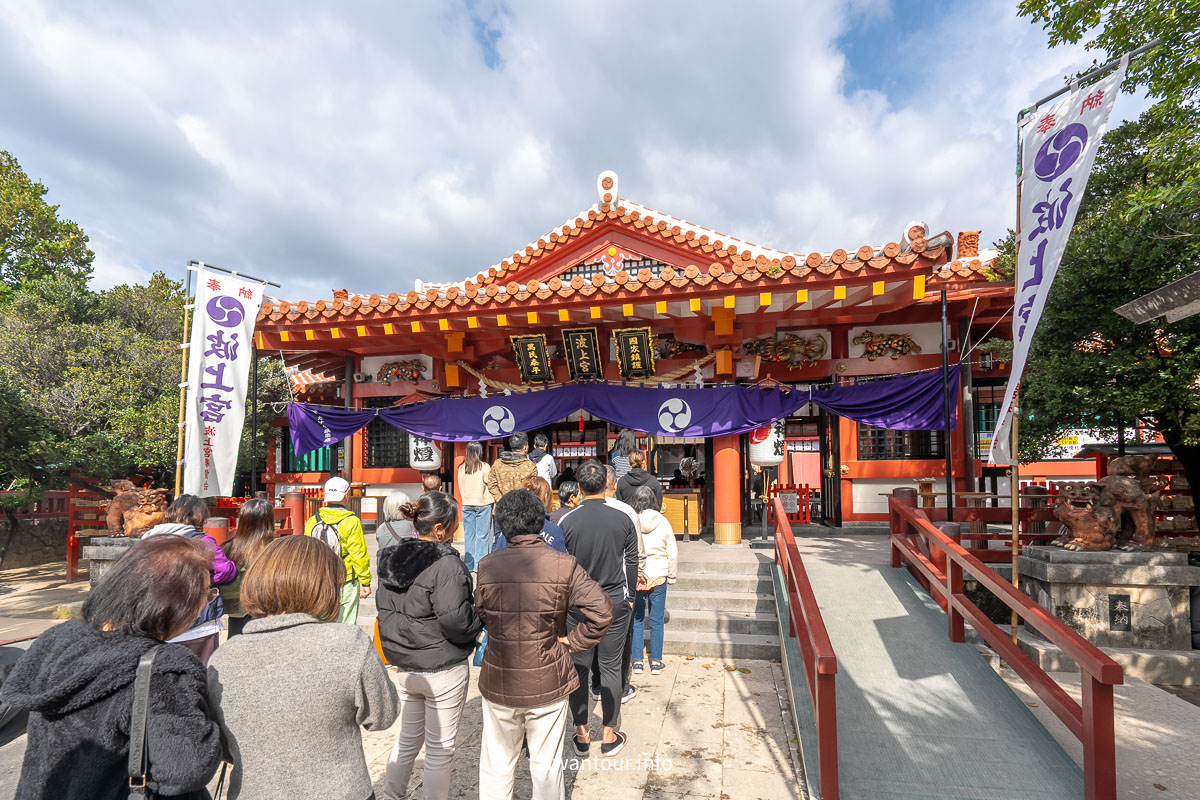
<point x="806" y="625"/>
<point x="1092" y="722"/>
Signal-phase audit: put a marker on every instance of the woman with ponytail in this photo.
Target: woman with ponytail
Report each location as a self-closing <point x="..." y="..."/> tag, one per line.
<point x="427" y="631"/>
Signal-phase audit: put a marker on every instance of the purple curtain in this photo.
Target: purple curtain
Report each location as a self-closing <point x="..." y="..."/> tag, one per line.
<point x="717" y="411"/>
<point x="453" y="419"/>
<point x="314" y="427"/>
<point x="913" y="402"/>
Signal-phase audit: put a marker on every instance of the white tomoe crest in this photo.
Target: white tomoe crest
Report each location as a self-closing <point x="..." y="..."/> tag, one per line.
<point x="674" y="415"/>
<point x="498" y="420"/>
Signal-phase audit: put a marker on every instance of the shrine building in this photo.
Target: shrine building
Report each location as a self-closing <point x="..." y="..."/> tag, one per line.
<point x="709" y="308"/>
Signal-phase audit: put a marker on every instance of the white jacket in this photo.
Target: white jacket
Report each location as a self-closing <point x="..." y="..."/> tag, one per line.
<point x="659" y="553"/>
<point x="547" y="468"/>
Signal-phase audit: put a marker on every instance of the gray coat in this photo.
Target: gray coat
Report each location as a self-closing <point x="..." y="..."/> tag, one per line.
<point x="293" y="692"/>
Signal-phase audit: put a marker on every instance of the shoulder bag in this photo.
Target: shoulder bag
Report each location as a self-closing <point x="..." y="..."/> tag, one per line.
<point x="138" y="747"/>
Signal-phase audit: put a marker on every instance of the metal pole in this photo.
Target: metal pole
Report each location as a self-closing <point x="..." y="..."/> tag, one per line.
<point x="1121" y="437"/>
<point x="1096" y="73"/>
<point x="946" y="412"/>
<point x="183" y="372"/>
<point x="253" y="419"/>
<point x="1015" y="470"/>
<point x="198" y="265"/>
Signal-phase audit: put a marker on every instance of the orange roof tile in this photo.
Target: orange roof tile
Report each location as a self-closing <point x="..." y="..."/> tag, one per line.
<point x="717" y="257"/>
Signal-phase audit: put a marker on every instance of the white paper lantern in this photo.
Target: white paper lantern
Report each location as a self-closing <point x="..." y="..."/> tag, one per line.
<point x="768" y="444"/>
<point x="423" y="454"/>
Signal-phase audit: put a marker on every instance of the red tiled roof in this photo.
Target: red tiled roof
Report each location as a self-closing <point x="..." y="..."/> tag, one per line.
<point x="720" y="258"/>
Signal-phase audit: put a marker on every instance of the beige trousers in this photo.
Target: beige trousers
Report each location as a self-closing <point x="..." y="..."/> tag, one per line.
<point x="503" y="730"/>
<point x="431" y="704"/>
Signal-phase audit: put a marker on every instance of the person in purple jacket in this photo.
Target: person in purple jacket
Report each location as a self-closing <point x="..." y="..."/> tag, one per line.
<point x="185" y="517"/>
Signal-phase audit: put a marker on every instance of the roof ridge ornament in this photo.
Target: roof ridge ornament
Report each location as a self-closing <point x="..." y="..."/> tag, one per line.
<point x="606" y="186"/>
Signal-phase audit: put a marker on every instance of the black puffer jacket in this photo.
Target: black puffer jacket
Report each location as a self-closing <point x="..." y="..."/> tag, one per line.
<point x="77" y="683"/>
<point x="427" y="618"/>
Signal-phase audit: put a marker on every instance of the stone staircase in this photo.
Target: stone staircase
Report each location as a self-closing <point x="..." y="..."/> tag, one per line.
<point x="722" y="604"/>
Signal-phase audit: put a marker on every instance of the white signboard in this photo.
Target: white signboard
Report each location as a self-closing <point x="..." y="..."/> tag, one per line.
<point x="1059" y="147"/>
<point x="218" y="366"/>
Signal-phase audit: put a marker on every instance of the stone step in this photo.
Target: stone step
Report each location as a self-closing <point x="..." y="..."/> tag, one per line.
<point x="717" y="582"/>
<point x="688" y="600"/>
<point x="720" y="645"/>
<point x="720" y="621"/>
<point x="730" y="567"/>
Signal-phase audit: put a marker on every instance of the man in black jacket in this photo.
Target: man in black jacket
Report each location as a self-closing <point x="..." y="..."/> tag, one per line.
<point x="605" y="543"/>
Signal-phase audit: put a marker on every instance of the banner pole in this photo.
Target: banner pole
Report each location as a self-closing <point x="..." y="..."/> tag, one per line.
<point x="946" y="448"/>
<point x="183" y="374"/>
<point x="253" y="418"/>
<point x="1015" y="469"/>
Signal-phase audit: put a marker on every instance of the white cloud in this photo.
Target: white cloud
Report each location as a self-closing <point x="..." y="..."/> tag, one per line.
<point x="375" y="144"/>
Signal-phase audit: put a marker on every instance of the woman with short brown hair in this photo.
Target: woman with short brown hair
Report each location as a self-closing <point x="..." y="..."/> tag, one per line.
<point x="294" y="690"/>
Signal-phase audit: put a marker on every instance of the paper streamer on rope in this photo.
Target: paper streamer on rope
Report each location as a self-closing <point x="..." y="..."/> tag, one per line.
<point x="907" y="403"/>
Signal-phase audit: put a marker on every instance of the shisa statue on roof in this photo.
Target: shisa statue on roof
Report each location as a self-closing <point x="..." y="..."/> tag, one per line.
<point x="1115" y="511"/>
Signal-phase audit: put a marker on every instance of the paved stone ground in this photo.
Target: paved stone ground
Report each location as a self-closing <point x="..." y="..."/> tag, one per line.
<point x="698" y="730"/>
<point x="1157" y="734"/>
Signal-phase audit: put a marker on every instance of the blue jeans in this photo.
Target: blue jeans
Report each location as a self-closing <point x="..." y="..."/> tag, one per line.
<point x="477" y="534"/>
<point x="657" y="600"/>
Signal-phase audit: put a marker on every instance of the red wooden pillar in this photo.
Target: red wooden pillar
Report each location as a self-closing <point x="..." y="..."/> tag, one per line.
<point x="460" y="455"/>
<point x="294" y="503"/>
<point x="727" y="490"/>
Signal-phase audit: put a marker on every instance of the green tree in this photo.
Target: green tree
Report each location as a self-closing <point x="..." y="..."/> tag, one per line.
<point x="34" y="242"/>
<point x="1093" y="366"/>
<point x="1169" y="73"/>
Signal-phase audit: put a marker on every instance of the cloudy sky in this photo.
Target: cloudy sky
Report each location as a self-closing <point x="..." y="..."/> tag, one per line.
<point x="364" y="145"/>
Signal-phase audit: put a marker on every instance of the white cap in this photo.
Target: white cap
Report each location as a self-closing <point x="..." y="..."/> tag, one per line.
<point x="336" y="490"/>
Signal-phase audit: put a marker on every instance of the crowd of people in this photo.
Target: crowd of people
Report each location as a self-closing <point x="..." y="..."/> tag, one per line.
<point x="551" y="598"/>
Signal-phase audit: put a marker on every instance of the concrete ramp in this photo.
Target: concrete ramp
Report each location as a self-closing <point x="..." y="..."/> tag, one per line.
<point x="919" y="716"/>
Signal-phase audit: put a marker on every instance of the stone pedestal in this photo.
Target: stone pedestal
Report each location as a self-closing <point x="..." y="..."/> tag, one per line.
<point x="102" y="552"/>
<point x="1114" y="598"/>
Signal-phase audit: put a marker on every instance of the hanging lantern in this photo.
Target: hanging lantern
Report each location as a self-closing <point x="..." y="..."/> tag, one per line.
<point x="767" y="444"/>
<point x="423" y="454"/>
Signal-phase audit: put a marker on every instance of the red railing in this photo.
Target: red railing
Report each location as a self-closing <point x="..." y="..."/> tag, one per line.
<point x="803" y="512"/>
<point x="820" y="664"/>
<point x="54" y="504"/>
<point x="1092" y="723"/>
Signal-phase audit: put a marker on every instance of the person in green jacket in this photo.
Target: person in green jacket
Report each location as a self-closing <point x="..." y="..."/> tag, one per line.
<point x="353" y="547"/>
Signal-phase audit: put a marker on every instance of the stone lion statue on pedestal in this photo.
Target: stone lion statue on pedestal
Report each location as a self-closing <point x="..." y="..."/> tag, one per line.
<point x="1115" y="511"/>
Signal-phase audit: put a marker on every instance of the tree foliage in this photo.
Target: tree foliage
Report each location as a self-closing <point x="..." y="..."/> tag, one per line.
<point x="1169" y="73"/>
<point x="34" y="242"/>
<point x="1094" y="368"/>
<point x="89" y="381"/>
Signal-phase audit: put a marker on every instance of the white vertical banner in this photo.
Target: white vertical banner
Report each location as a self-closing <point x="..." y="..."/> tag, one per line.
<point x="1059" y="145"/>
<point x="219" y="358"/>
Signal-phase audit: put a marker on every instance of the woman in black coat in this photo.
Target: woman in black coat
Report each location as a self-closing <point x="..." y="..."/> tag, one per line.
<point x="427" y="631"/>
<point x="77" y="682"/>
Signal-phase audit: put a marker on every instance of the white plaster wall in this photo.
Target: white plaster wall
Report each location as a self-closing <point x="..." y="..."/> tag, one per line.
<point x="866" y="493"/>
<point x="927" y="335"/>
<point x="374" y="493"/>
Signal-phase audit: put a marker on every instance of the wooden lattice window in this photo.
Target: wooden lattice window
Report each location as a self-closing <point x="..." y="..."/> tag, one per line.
<point x="384" y="445"/>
